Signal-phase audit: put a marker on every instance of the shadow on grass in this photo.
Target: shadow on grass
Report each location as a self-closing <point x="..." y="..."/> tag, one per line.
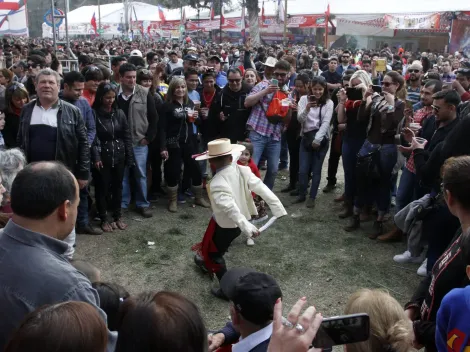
<point x="186" y="216"/>
<point x="174" y="231"/>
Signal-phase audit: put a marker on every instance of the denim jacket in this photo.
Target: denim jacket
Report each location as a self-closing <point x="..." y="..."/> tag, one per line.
<point x="34" y="272"/>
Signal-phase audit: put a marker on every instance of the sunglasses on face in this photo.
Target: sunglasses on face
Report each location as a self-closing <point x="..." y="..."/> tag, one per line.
<point x="413" y="71"/>
<point x="346" y="57"/>
<point x="235" y="80"/>
<point x="32" y="65"/>
<point x="280" y="74"/>
<point x="386" y="84"/>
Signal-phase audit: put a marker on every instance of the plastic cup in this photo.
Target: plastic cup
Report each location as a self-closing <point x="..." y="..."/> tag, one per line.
<point x="197" y="104"/>
<point x="420" y="140"/>
<point x="204" y="113"/>
<point x="415" y="125"/>
<point x="191" y="117"/>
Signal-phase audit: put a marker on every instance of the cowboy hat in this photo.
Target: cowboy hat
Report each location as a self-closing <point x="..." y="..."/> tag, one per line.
<point x="270" y="62"/>
<point x="220" y="147"/>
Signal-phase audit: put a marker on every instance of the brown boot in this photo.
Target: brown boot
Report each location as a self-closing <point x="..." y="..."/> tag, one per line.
<point x="348" y="210"/>
<point x="198" y="197"/>
<point x="353" y="225"/>
<point x="395" y="235"/>
<point x="172" y="197"/>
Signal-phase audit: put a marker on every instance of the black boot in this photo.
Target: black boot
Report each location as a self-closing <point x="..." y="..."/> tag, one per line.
<point x="354" y="224"/>
<point x="348" y="210"/>
<point x="289" y="188"/>
<point x="329" y="187"/>
<point x="378" y="229"/>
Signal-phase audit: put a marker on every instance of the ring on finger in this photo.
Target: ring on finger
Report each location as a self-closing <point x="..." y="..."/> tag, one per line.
<point x="300" y="329"/>
<point x="287" y="323"/>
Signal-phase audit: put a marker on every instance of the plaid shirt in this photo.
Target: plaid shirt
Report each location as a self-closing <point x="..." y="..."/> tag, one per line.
<point x="258" y="121"/>
<point x="418" y="117"/>
<point x="448" y="77"/>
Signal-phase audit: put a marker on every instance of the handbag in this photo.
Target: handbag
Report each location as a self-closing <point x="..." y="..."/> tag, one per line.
<point x="368" y="169"/>
<point x="309" y="137"/>
<point x="174" y="142"/>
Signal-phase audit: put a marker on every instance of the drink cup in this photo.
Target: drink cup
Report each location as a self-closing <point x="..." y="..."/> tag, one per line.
<point x="204" y="113"/>
<point x="415" y="126"/>
<point x="191" y="117"/>
<point x="285" y="103"/>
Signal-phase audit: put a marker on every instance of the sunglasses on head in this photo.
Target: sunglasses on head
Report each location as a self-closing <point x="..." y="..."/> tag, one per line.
<point x="234" y="80"/>
<point x="15" y="86"/>
<point x="463" y="70"/>
<point x="146" y="72"/>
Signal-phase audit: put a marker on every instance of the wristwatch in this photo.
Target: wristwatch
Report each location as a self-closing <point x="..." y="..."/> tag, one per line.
<point x="390" y="108"/>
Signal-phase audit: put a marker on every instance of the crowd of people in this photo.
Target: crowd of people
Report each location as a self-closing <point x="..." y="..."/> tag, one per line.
<point x="143" y="120"/>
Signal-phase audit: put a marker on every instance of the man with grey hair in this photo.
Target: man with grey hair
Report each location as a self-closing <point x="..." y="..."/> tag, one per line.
<point x="54" y="130"/>
<point x="12" y="161"/>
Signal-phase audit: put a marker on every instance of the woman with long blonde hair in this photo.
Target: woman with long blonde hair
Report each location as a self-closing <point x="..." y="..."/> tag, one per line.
<point x="355" y="132"/>
<point x="176" y="119"/>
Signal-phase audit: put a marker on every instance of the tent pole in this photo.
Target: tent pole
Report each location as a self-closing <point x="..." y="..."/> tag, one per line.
<point x="284" y="38"/>
<point x="99" y="15"/>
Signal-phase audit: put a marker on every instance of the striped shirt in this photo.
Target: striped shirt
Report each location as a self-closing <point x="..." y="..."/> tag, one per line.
<point x="258" y="121"/>
<point x="448" y="77"/>
<point x="413" y="95"/>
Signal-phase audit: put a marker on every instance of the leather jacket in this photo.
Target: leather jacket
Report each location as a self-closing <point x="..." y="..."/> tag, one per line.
<point x="72" y="147"/>
<point x="113" y="142"/>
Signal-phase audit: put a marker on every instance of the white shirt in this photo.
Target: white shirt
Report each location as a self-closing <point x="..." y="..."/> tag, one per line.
<point x="42" y="116"/>
<point x="253" y="340"/>
<point x="125" y="97"/>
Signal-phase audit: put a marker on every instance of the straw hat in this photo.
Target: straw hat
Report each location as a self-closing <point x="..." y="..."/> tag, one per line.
<point x="220" y="147"/>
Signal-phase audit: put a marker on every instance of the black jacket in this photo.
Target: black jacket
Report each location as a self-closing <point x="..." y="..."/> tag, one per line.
<point x="173" y="122"/>
<point x="10" y="132"/>
<point x="72" y="148"/>
<point x="233" y="106"/>
<point x="113" y="142"/>
<point x="422" y="160"/>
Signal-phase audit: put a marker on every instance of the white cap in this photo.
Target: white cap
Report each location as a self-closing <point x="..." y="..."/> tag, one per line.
<point x="136" y="52"/>
<point x="270" y="61"/>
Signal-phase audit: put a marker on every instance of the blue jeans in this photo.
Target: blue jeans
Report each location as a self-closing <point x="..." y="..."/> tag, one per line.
<point x="140" y="175"/>
<point x="284" y="157"/>
<point x="351" y="147"/>
<point x="270" y="149"/>
<point x="380" y="193"/>
<point x="82" y="211"/>
<point x="406" y="189"/>
<point x="310" y="162"/>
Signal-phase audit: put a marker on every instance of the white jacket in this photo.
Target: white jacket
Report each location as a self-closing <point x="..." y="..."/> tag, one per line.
<point x="231" y="199"/>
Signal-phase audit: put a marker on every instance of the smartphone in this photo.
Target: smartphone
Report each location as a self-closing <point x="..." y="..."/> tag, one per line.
<point x="409" y="104"/>
<point x="354" y="94"/>
<point x="342" y="330"/>
<point x="274" y="82"/>
<point x="377" y="89"/>
<point x="312" y="98"/>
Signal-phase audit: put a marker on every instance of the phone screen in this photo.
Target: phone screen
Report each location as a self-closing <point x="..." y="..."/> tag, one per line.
<point x="312" y="98"/>
<point x="275" y="82"/>
<point x="342" y="330"/>
<point x="354" y="94"/>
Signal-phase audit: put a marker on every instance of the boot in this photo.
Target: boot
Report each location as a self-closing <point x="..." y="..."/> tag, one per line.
<point x="172" y="196"/>
<point x="395" y="235"/>
<point x="340" y="199"/>
<point x="198" y="198"/>
<point x="348" y="210"/>
<point x="377" y="230"/>
<point x="289" y="188"/>
<point x="354" y="224"/>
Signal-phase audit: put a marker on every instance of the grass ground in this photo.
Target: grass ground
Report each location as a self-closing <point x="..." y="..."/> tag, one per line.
<point x="309" y="255"/>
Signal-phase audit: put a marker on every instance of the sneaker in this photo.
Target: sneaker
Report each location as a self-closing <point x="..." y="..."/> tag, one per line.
<point x="422" y="270"/>
<point x="145" y="212"/>
<point x="329" y="187"/>
<point x="181" y="198"/>
<point x="407" y="258"/>
<point x="250" y="242"/>
<point x="88" y="230"/>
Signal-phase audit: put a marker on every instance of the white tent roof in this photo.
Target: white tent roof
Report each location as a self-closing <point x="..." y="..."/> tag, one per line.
<point x="113" y="13"/>
<point x="348" y="7"/>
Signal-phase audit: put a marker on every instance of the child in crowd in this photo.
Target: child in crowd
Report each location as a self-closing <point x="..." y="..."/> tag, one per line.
<point x="453" y="324"/>
<point x="246" y="160"/>
<point x="232" y="203"/>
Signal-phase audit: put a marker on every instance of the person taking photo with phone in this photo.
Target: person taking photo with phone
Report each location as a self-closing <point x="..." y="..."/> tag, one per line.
<point x="383" y="112"/>
<point x="314" y="114"/>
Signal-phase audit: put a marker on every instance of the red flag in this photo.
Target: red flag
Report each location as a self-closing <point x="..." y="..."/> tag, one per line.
<point x="13" y="6"/>
<point x="212" y="11"/>
<point x="93" y="23"/>
<point x="161" y="15"/>
<point x="262" y="14"/>
<point x="222" y="18"/>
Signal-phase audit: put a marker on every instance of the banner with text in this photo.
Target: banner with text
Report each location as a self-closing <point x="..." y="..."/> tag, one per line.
<point x="428" y="21"/>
